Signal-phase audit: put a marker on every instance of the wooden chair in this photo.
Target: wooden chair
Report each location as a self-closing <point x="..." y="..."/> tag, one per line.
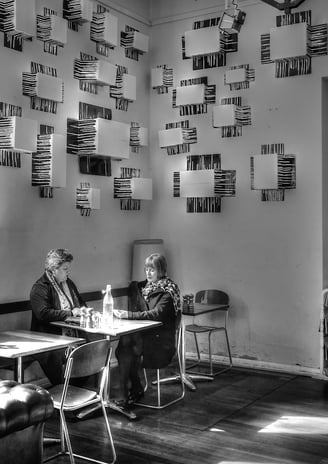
<point x="86" y="360"/>
<point x="210" y="297"/>
<point x="159" y="381"/>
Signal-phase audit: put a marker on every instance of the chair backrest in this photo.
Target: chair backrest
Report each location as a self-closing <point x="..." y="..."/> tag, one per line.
<point x="89" y="359"/>
<point x="211" y="296"/>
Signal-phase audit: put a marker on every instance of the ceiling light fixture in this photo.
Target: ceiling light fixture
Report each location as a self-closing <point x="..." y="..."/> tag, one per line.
<point x="232" y="18"/>
<point x="285" y="5"/>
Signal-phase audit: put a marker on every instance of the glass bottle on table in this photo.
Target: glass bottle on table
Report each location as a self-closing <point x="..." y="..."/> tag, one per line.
<point x="107" y="315"/>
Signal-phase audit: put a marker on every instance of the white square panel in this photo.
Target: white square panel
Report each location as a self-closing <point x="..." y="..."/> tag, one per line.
<point x="235" y="75"/>
<point x="224" y="115"/>
<point x="157" y="77"/>
<point x="265" y="172"/>
<point x="190" y="94"/>
<point x="142" y="189"/>
<point x="129" y="87"/>
<point x="197" y="183"/>
<point x="202" y="41"/>
<point x="170" y="137"/>
<point x="49" y="87"/>
<point x="288" y="41"/>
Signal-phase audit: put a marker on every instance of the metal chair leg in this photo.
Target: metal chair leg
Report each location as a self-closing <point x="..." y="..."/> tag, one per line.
<point x="210" y="360"/>
<point x="198" y="353"/>
<point x="228" y="346"/>
<point x="210" y="352"/>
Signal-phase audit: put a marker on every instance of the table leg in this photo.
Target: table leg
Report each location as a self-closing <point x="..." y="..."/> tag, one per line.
<point x="111" y="404"/>
<point x="19" y="373"/>
<point x="176" y="377"/>
<point x="187" y="378"/>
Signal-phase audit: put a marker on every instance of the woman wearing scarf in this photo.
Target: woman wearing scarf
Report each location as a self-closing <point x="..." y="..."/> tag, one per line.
<point x="158" y="299"/>
<point x="54" y="297"/>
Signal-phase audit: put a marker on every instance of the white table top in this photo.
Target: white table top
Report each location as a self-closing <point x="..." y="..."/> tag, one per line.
<point x="121" y="326"/>
<point x="17" y="343"/>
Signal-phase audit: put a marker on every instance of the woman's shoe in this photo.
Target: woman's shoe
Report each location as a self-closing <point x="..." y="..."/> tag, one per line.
<point x="122" y="404"/>
<point x="123" y="407"/>
<point x="134" y="396"/>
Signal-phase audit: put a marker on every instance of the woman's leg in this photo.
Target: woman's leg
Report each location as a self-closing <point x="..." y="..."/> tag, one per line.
<point x="126" y="357"/>
<point x="52" y="365"/>
<point x="136" y="386"/>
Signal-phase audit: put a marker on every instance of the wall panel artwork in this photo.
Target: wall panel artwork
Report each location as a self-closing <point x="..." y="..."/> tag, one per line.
<point x="101" y="137"/>
<point x="238" y="77"/>
<point x="177" y="137"/>
<point x="272" y="172"/>
<point x="77" y="12"/>
<point x="134" y="42"/>
<point x="292" y="44"/>
<point x="17" y="135"/>
<point x="130" y="188"/>
<point x="193" y="96"/>
<point x="44" y="88"/>
<point x="51" y="29"/>
<point x="204" y="183"/>
<point x="87" y="198"/>
<point x="93" y="73"/>
<point x="49" y="164"/>
<point x="125" y="89"/>
<point x="104" y="30"/>
<point x="138" y="137"/>
<point x="90" y="163"/>
<point x="17" y="21"/>
<point x="162" y="78"/>
<point x="231" y="116"/>
<point x="78" y="142"/>
<point x="207" y="45"/>
<point x="9" y="158"/>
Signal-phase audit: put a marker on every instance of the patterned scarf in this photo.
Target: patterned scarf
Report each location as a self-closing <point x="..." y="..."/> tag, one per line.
<point x="66" y="302"/>
<point x="167" y="285"/>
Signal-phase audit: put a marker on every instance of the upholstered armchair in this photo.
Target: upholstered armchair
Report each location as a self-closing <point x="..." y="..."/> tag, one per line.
<point x="24" y="408"/>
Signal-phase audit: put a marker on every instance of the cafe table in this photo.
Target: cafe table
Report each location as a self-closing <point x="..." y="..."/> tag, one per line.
<point x="120" y="327"/>
<point x="17" y="344"/>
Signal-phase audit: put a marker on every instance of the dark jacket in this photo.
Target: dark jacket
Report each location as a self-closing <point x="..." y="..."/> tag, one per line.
<point x="159" y="344"/>
<point x="45" y="305"/>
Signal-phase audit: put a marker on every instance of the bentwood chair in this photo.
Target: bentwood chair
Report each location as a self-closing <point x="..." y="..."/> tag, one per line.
<point x="86" y="360"/>
<point x="160" y="404"/>
<point x="210" y="297"/>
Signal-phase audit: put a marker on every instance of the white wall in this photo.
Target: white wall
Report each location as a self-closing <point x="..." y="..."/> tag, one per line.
<point x="132" y="8"/>
<point x="266" y="255"/>
<point x="29" y="225"/>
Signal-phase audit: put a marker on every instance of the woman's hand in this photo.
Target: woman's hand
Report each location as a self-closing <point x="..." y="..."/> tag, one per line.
<point x="78" y="311"/>
<point x="121" y="314"/>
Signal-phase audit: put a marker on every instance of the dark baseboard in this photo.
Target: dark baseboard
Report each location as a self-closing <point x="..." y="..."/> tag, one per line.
<point x="24" y="305"/>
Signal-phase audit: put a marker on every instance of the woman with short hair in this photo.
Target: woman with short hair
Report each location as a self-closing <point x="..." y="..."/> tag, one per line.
<point x="158" y="299"/>
<point x="54" y="297"/>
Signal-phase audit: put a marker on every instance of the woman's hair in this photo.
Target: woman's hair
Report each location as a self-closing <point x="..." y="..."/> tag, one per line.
<point x="55" y="258"/>
<point x="158" y="262"/>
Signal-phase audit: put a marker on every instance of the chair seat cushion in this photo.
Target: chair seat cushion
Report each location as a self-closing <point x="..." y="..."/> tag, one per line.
<point x="199" y="328"/>
<point x="76" y="397"/>
<point x="22" y="405"/>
